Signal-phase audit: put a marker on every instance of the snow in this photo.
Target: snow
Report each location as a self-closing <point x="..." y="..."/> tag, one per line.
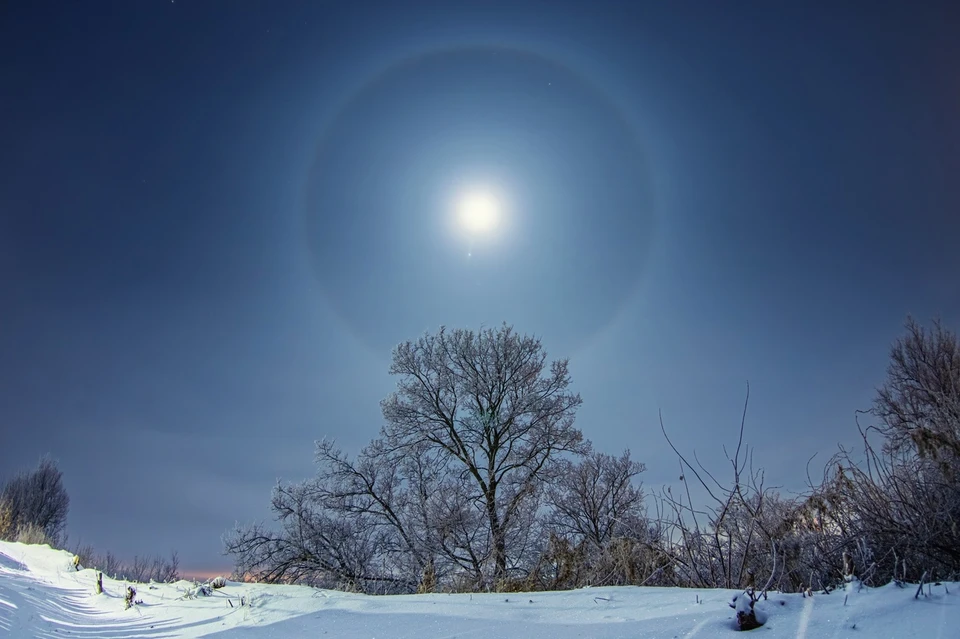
<point x="41" y="595"/>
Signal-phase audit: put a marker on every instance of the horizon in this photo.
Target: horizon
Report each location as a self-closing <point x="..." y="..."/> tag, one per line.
<point x="216" y="223"/>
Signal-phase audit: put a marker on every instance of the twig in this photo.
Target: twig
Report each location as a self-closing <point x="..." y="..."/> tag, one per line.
<point x="687" y="464"/>
<point x="920" y="588"/>
<point x="773" y="545"/>
<point x="743" y="421"/>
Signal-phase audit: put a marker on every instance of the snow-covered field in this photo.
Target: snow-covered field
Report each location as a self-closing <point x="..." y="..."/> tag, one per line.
<point x="41" y="595"/>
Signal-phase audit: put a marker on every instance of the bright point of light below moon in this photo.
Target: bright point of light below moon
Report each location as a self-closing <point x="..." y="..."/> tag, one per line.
<point x="479" y="213"/>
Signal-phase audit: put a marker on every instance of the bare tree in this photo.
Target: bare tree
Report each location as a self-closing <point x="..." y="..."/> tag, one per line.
<point x="165" y="570"/>
<point x="491" y="406"/>
<point x="596" y="499"/>
<point x="397" y="495"/>
<point x="36" y="499"/>
<point x="449" y="494"/>
<point x="599" y="533"/>
<point x="138" y="570"/>
<point x="316" y="545"/>
<point x="919" y="405"/>
<point x="375" y="523"/>
<point x="108" y="563"/>
<point x="452" y="493"/>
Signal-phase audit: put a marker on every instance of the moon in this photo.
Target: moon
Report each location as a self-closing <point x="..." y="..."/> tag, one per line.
<point x="501" y="134"/>
<point x="479" y="213"/>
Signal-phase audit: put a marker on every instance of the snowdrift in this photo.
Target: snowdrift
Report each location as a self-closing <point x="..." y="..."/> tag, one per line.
<point x="41" y="595"/>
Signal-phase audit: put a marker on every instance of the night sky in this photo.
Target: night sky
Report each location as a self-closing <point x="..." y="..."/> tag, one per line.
<point x="217" y="219"/>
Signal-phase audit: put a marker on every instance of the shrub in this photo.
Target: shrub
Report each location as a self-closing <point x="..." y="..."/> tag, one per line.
<point x="35" y="498"/>
<point x="7" y="530"/>
<point x="86" y="554"/>
<point x="32" y="533"/>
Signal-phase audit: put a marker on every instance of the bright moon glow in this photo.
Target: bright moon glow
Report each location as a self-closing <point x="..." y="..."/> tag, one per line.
<point x="479" y="213"/>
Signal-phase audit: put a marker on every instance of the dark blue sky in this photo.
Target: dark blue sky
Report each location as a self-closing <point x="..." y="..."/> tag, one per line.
<point x="216" y="218"/>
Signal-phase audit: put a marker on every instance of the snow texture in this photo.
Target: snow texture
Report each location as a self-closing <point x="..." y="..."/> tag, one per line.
<point x="41" y="595"/>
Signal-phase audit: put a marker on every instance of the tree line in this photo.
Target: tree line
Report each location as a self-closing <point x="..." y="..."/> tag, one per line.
<point x="479" y="480"/>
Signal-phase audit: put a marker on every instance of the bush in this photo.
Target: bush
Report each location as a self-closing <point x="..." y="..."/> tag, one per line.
<point x="197" y="590"/>
<point x="35" y="499"/>
<point x="32" y="534"/>
<point x="900" y="509"/>
<point x="108" y="563"/>
<point x="86" y="554"/>
<point x="919" y="405"/>
<point x="140" y="570"/>
<point x="7" y="529"/>
<point x="130" y="599"/>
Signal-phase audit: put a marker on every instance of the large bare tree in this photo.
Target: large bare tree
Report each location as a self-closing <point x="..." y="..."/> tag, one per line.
<point x="498" y="413"/>
<point x="451" y="490"/>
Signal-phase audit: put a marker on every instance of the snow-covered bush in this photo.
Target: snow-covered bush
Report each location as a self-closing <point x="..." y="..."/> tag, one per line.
<point x="130" y="598"/>
<point x="748" y="615"/>
<point x="196" y="590"/>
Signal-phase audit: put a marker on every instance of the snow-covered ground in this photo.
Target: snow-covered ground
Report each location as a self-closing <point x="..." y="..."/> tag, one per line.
<point x="41" y="595"/>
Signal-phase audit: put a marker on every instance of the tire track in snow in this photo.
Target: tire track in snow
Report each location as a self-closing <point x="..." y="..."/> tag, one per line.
<point x="805" y="616"/>
<point x="697" y="628"/>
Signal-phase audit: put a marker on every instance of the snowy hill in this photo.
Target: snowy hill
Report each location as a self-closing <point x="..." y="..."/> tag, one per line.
<point x="41" y="595"/>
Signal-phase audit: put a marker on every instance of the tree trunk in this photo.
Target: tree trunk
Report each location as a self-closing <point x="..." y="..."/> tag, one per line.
<point x="499" y="556"/>
<point x="497" y="536"/>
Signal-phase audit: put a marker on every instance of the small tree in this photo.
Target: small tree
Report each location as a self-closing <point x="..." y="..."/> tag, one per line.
<point x="108" y="563"/>
<point x="166" y="570"/>
<point x="138" y="570"/>
<point x="37" y="500"/>
<point x="596" y="499"/>
<point x="919" y="405"/>
<point x="316" y="545"/>
<point x="596" y="504"/>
